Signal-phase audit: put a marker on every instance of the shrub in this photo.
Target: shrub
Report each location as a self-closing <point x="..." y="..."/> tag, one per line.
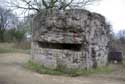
<point x="13" y="35"/>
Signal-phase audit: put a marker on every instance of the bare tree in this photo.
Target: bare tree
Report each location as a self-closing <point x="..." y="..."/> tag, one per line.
<point x="83" y="3"/>
<point x="5" y="18"/>
<point x="38" y="5"/>
<point x="121" y="36"/>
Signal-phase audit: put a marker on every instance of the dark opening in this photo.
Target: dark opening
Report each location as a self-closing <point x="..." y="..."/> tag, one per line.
<point x="75" y="47"/>
<point x="115" y="56"/>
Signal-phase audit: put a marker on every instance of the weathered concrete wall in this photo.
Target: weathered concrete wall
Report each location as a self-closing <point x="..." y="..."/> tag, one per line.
<point x="56" y="36"/>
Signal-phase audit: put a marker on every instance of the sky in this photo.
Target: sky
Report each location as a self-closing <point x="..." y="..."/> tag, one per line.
<point x="113" y="10"/>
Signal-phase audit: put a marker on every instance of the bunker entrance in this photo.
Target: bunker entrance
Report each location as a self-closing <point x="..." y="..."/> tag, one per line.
<point x="61" y="46"/>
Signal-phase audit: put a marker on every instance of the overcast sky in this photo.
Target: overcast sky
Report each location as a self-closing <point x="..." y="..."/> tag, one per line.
<point x="113" y="10"/>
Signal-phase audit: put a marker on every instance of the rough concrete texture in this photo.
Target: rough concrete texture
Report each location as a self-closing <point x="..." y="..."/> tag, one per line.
<point x="71" y="39"/>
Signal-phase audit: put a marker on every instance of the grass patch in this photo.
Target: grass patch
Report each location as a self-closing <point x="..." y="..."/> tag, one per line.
<point x="12" y="50"/>
<point x="9" y="48"/>
<point x="41" y="69"/>
<point x="64" y="71"/>
<point x="2" y="50"/>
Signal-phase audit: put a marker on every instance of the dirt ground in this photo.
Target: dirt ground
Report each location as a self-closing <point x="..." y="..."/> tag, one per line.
<point x="13" y="72"/>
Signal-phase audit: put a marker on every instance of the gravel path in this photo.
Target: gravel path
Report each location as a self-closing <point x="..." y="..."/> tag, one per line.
<point x="12" y="72"/>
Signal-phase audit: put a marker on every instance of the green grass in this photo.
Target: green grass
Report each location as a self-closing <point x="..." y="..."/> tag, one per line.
<point x="41" y="69"/>
<point x="2" y="50"/>
<point x="12" y="50"/>
<point x="9" y="48"/>
<point x="68" y="72"/>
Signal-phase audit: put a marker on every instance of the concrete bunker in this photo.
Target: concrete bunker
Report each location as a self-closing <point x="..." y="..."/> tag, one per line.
<point x="74" y="38"/>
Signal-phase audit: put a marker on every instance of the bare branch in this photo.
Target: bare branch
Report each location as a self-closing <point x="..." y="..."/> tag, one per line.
<point x="38" y="5"/>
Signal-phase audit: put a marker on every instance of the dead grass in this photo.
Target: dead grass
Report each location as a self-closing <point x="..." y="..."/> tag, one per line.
<point x="23" y="45"/>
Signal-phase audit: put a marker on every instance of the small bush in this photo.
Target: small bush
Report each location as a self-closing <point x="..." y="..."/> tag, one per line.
<point x="64" y="71"/>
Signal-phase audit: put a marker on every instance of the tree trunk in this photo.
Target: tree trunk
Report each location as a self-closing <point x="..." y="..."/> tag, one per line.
<point x="1" y="35"/>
